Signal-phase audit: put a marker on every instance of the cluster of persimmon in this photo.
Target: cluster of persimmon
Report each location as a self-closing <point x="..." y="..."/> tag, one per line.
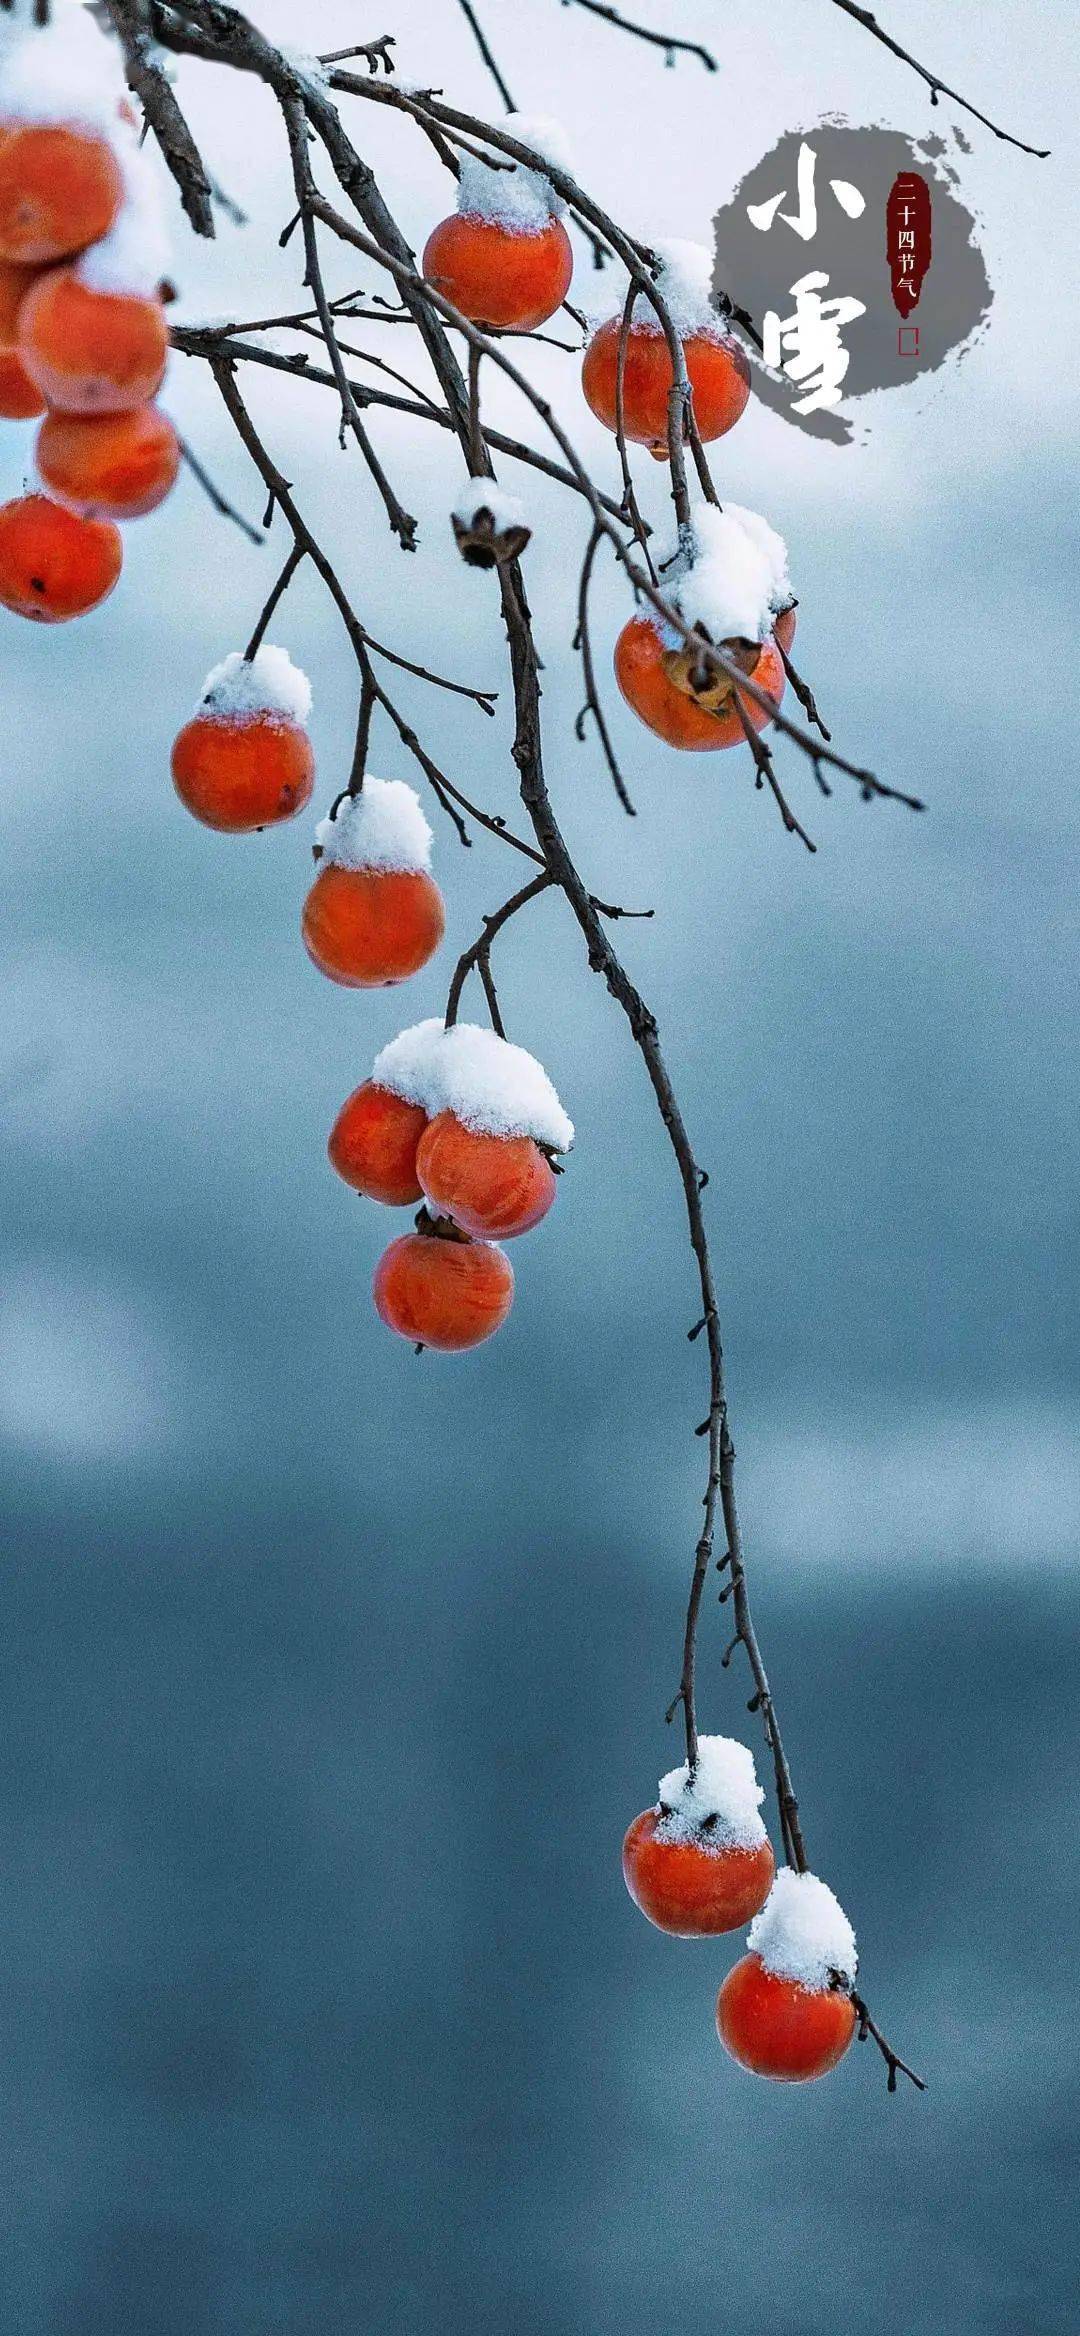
<point x="83" y="337"/>
<point x="504" y="260"/>
<point x="469" y="1125"/>
<point x="457" y="1119"/>
<point x="699" y="1865"/>
<point x="374" y="914"/>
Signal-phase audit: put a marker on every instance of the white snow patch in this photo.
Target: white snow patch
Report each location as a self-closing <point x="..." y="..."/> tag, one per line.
<point x="65" y="71"/>
<point x="485" y="495"/>
<point x="723" y="574"/>
<point x="383" y="827"/>
<point x="405" y="1065"/>
<point x="134" y="256"/>
<point x="520" y="200"/>
<point x="684" y="282"/>
<point x="773" y="549"/>
<point x="725" y="1789"/>
<point x="309" y="68"/>
<point x="239" y="689"/>
<point x="489" y="1084"/>
<point x="802" y="1932"/>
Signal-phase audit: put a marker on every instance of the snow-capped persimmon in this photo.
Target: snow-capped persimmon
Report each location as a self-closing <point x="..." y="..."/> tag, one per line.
<point x="699" y="1862"/>
<point x="374" y="915"/>
<point x="656" y="682"/>
<point x="238" y="776"/>
<point x="716" y="366"/>
<point x="371" y="927"/>
<point x="787" y="2009"/>
<point x="244" y="761"/>
<point x="60" y="189"/>
<point x="776" y="2027"/>
<point x="92" y="352"/>
<point x="20" y="398"/>
<point x="373" y="1144"/>
<point x="447" y="1293"/>
<point x="109" y="466"/>
<point x="690" y="1887"/>
<point x="495" y="276"/>
<point x="493" y="1186"/>
<point x="54" y="565"/>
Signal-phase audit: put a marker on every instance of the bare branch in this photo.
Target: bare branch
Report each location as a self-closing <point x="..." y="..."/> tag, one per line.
<point x="145" y="78"/>
<point x="670" y="43"/>
<point x="936" y="86"/>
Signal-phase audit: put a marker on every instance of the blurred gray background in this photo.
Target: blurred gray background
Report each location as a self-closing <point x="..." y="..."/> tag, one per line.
<point x="331" y="1677"/>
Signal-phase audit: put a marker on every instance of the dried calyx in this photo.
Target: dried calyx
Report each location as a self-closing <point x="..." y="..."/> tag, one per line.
<point x="439" y="1228"/>
<point x="700" y="678"/>
<point x="486" y="540"/>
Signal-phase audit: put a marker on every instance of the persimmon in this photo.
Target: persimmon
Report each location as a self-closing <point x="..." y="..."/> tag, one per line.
<point x="109" y="466"/>
<point x="699" y="1862"/>
<point x="493" y="1186"/>
<point x="645" y="671"/>
<point x="716" y="366"/>
<point x="447" y="1293"/>
<point x="373" y="1144"/>
<point x="371" y="927"/>
<point x="238" y="776"/>
<point x="20" y="399"/>
<point x="244" y="761"/>
<point x="689" y="1888"/>
<point x="92" y="352"/>
<point x="776" y="2027"/>
<point x="60" y="189"/>
<point x="53" y="565"/>
<point x="496" y="276"/>
<point x="787" y="2010"/>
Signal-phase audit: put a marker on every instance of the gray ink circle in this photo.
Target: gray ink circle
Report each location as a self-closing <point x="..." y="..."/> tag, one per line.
<point x="759" y="266"/>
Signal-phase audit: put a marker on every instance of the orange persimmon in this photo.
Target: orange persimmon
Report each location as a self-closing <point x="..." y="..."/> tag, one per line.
<point x="718" y="372"/>
<point x="373" y="1144"/>
<point x="54" y="565"/>
<point x="674" y="712"/>
<point x="91" y="352"/>
<point x="371" y="927"/>
<point x="60" y="189"/>
<point x="496" y="276"/>
<point x="240" y="774"/>
<point x="777" y="2027"/>
<point x="690" y="1887"/>
<point x="492" y="1186"/>
<point x="447" y="1293"/>
<point x="109" y="466"/>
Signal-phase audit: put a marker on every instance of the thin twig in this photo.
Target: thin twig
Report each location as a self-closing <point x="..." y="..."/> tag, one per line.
<point x="297" y="553"/>
<point x="224" y="509"/>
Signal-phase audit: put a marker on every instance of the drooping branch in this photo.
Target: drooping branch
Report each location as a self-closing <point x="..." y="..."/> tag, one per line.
<point x="487" y="53"/>
<point x="937" y="87"/>
<point x="401" y="521"/>
<point x="672" y="44"/>
<point x="210" y="29"/>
